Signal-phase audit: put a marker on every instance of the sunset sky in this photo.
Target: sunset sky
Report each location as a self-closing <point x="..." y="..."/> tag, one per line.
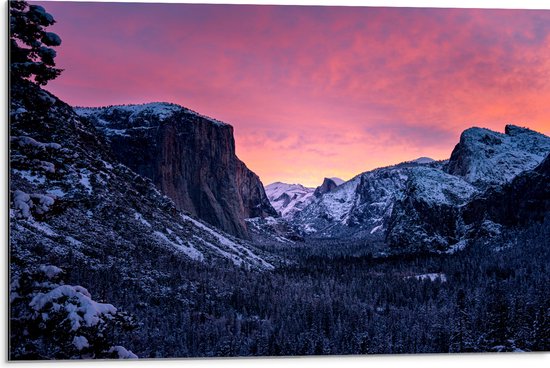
<point x="314" y="92"/>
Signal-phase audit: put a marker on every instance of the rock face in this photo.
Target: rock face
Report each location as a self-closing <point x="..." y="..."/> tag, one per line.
<point x="424" y="218"/>
<point x="424" y="205"/>
<point x="328" y="185"/>
<point x="289" y="199"/>
<point x="360" y="207"/>
<point x="524" y="200"/>
<point x="485" y="158"/>
<point x="191" y="159"/>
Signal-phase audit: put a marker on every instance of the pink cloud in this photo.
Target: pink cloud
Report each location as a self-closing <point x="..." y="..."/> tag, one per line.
<point x="315" y="91"/>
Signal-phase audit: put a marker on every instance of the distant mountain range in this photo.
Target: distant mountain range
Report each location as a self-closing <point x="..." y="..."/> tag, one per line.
<point x="422" y="205"/>
<point x="289" y="199"/>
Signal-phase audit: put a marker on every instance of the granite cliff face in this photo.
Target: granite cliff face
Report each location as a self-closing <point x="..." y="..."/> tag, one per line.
<point x="328" y="185"/>
<point x="189" y="157"/>
<point x="486" y="158"/>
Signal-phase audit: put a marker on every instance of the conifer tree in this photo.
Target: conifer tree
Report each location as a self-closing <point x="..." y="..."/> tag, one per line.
<point x="31" y="53"/>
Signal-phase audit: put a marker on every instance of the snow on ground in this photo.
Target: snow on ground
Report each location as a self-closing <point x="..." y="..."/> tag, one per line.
<point x="457" y="247"/>
<point x="377" y="228"/>
<point x="24" y="141"/>
<point x="187" y="249"/>
<point x="57" y="192"/>
<point x="430" y="276"/>
<point x="31" y="177"/>
<point x="233" y="246"/>
<point x="85" y="180"/>
<point x="138" y="216"/>
<point x="123" y="353"/>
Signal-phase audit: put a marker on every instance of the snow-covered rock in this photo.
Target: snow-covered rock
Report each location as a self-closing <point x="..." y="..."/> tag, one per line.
<point x="485" y="158"/>
<point x="288" y="199"/>
<point x="418" y="205"/>
<point x="359" y="207"/>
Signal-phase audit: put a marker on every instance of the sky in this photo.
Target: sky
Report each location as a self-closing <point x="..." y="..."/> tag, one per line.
<point x="314" y="92"/>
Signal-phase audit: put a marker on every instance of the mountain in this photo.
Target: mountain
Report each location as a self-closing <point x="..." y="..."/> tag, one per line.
<point x="359" y="208"/>
<point x="484" y="157"/>
<point x="189" y="157"/>
<point x="424" y="216"/>
<point x="70" y="198"/>
<point x="417" y="205"/>
<point x="287" y="199"/>
<point x="329" y="184"/>
<point x="522" y="201"/>
<point x="423" y="160"/>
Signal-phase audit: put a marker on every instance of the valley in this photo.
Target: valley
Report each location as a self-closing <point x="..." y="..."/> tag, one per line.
<point x="135" y="230"/>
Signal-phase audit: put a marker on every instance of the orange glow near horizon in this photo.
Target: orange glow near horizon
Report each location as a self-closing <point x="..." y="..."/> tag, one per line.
<point x="314" y="92"/>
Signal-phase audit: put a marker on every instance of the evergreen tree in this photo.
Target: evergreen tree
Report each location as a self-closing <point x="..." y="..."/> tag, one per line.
<point x="31" y="53"/>
<point x="52" y="320"/>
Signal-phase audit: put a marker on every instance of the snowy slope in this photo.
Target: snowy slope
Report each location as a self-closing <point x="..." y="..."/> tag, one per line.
<point x="288" y="199"/>
<point x="362" y="207"/>
<point x="415" y="205"/>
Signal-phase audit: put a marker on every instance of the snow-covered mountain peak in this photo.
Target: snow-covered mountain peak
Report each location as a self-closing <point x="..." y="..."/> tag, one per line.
<point x="437" y="187"/>
<point x="484" y="157"/>
<point x="287" y="199"/>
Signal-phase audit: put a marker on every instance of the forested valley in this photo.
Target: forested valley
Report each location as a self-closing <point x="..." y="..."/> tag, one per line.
<point x="489" y="297"/>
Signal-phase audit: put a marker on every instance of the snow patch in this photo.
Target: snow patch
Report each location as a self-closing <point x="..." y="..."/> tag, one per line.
<point x="138" y="216"/>
<point x="430" y="276"/>
<point x="123" y="353"/>
<point x="233" y="246"/>
<point x="187" y="249"/>
<point x="85" y="181"/>
<point x="50" y="271"/>
<point x="30" y="177"/>
<point x="80" y="342"/>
